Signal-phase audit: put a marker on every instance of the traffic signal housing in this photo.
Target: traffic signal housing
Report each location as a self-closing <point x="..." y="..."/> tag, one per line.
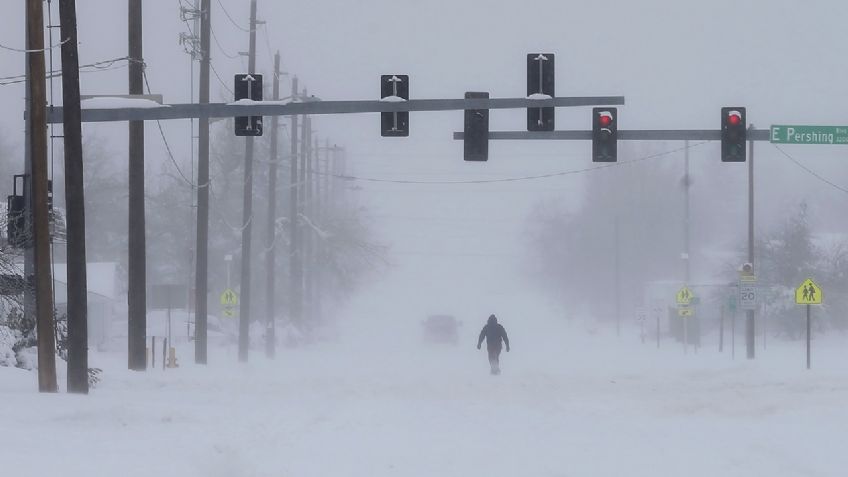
<point x="476" y="138"/>
<point x="16" y="218"/>
<point x="604" y="134"/>
<point x="733" y="134"/>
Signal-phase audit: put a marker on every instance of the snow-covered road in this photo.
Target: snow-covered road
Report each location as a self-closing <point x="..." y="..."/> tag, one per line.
<point x="561" y="408"/>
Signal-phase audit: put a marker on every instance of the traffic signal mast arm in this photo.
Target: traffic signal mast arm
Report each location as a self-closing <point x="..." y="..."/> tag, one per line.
<point x="623" y="135"/>
<point x="268" y="108"/>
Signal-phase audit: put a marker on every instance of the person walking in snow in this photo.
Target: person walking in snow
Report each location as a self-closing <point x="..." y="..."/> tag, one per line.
<point x="494" y="334"/>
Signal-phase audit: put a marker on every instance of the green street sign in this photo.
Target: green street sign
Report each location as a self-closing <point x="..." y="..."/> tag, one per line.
<point x="782" y="134"/>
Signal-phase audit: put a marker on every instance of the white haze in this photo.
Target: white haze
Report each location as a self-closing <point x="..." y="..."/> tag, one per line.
<point x="369" y="398"/>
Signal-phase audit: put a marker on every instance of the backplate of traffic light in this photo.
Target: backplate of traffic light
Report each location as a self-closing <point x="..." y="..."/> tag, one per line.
<point x="604" y="134"/>
<point x="733" y="134"/>
<point x="476" y="142"/>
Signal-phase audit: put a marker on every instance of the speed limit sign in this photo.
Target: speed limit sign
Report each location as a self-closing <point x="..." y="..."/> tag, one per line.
<point x="748" y="296"/>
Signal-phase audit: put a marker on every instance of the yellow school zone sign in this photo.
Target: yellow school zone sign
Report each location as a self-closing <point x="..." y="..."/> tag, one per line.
<point x="808" y="293"/>
<point x="229" y="298"/>
<point x="685" y="296"/>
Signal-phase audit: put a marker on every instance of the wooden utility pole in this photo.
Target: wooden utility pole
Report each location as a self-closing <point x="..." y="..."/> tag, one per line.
<point x="750" y="331"/>
<point x="41" y="226"/>
<point x="74" y="203"/>
<point x="137" y="262"/>
<point x="686" y="259"/>
<point x="305" y="207"/>
<point x="271" y="238"/>
<point x="247" y="215"/>
<point x="201" y="278"/>
<point x="296" y="261"/>
<point x="317" y="242"/>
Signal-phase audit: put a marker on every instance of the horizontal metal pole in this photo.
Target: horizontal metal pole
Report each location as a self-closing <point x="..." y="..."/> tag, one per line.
<point x="623" y="135"/>
<point x="223" y="110"/>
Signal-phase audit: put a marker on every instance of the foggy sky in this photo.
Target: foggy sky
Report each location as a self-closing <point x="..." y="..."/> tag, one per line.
<point x="676" y="62"/>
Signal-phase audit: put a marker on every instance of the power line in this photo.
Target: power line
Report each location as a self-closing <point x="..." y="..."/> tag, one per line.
<point x="106" y="66"/>
<point x="810" y="171"/>
<point x="165" y="140"/>
<point x="23" y="50"/>
<point x="221" y="47"/>
<point x="229" y="17"/>
<point x="215" y="72"/>
<point x="515" y="179"/>
<point x="268" y="43"/>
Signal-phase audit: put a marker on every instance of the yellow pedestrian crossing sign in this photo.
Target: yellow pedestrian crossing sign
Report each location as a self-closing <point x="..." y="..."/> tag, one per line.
<point x="229" y="298"/>
<point x="685" y="296"/>
<point x="808" y="293"/>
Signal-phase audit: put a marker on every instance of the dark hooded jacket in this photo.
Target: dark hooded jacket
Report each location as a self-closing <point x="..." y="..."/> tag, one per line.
<point x="493" y="332"/>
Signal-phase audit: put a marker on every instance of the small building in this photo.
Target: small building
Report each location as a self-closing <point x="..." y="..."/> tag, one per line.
<point x="104" y="299"/>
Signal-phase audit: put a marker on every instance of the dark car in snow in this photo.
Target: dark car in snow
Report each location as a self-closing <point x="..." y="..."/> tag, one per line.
<point x="441" y="329"/>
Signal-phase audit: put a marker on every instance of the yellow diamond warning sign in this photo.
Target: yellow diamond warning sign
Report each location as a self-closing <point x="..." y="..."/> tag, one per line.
<point x="685" y="296"/>
<point x="808" y="293"/>
<point x="229" y="298"/>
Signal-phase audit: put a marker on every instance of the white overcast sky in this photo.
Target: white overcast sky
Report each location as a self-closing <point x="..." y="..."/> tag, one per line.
<point x="676" y="62"/>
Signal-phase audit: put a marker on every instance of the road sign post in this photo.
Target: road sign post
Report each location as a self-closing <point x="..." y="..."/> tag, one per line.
<point x="809" y="293"/>
<point x="808" y="336"/>
<point x="641" y="317"/>
<point x="685" y="297"/>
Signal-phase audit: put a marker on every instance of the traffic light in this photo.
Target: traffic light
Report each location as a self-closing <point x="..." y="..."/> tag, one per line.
<point x="476" y="142"/>
<point x="540" y="82"/>
<point x="733" y="134"/>
<point x="604" y="134"/>
<point x="394" y="88"/>
<point x="248" y="87"/>
<point x="16" y="219"/>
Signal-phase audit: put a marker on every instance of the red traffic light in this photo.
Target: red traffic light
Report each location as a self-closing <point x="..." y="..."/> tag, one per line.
<point x="734" y="118"/>
<point x="605" y="119"/>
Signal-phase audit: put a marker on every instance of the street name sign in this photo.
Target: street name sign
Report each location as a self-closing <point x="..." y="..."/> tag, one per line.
<point x="783" y="134"/>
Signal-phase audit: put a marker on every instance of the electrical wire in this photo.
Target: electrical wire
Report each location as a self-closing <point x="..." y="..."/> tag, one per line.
<point x="107" y="65"/>
<point x="268" y="44"/>
<point x="229" y="17"/>
<point x="38" y="50"/>
<point x="221" y="47"/>
<point x="165" y="140"/>
<point x="514" y="179"/>
<point x="810" y="171"/>
<point x="220" y="80"/>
